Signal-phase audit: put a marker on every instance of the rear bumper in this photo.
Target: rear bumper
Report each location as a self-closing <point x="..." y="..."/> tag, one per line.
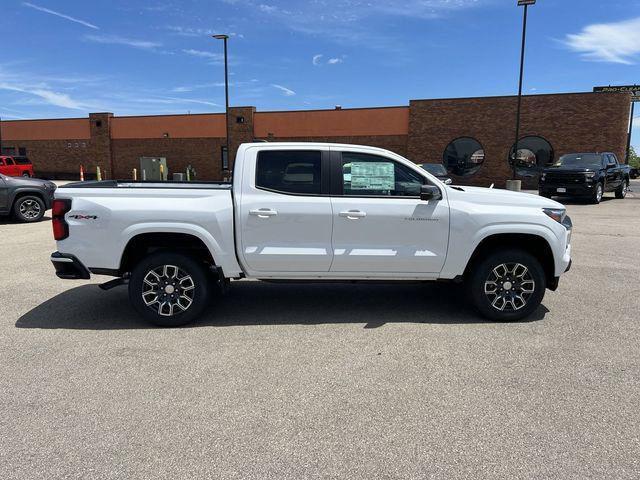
<point x="69" y="267"/>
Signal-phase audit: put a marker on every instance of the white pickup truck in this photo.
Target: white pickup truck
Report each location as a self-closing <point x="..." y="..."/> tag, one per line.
<point x="310" y="211"/>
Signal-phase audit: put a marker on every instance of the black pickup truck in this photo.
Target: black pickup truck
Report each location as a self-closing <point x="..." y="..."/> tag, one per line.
<point x="587" y="175"/>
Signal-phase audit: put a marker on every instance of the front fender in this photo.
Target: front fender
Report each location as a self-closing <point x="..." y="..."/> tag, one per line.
<point x="462" y="248"/>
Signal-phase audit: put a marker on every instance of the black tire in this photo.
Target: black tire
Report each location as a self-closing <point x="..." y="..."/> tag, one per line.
<point x="483" y="277"/>
<point x="29" y="209"/>
<point x="621" y="191"/>
<point x="195" y="299"/>
<point x="26" y="174"/>
<point x="597" y="194"/>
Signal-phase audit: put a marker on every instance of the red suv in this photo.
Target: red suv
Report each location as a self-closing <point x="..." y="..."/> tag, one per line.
<point x="16" y="166"/>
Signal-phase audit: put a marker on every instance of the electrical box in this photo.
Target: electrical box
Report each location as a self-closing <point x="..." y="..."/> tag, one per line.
<point x="154" y="169"/>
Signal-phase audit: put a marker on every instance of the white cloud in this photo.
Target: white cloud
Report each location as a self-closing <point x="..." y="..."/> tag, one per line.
<point x="316" y="59"/>
<point x="287" y="92"/>
<point x="190" y="32"/>
<point x="333" y="61"/>
<point x="61" y="15"/>
<point x="608" y="42"/>
<point x="203" y="54"/>
<point x="48" y="96"/>
<point x="118" y="40"/>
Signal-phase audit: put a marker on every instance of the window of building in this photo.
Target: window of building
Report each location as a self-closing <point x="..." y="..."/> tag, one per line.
<point x="534" y="154"/>
<point x="371" y="175"/>
<point x="464" y="156"/>
<point x="11" y="151"/>
<point x="225" y="158"/>
<point x="22" y="151"/>
<point x="290" y="171"/>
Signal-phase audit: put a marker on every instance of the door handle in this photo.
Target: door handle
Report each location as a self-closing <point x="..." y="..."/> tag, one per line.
<point x="353" y="214"/>
<point x="263" y="212"/>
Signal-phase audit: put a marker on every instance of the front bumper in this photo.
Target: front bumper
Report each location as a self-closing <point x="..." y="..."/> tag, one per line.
<point x="69" y="267"/>
<point x="578" y="190"/>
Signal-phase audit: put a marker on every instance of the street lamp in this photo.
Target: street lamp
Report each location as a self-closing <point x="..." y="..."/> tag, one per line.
<point x="526" y="4"/>
<point x="225" y="38"/>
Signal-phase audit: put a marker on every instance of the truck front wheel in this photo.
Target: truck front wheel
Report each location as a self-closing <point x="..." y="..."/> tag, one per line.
<point x="169" y="289"/>
<point x="507" y="285"/>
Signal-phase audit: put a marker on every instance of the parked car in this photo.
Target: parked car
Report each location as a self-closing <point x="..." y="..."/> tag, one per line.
<point x="386" y="219"/>
<point x="587" y="175"/>
<point x="16" y="166"/>
<point x="633" y="172"/>
<point x="27" y="198"/>
<point x="438" y="171"/>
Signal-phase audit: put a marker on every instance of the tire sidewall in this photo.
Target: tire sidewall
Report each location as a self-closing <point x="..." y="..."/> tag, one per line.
<point x="191" y="266"/>
<point x="595" y="198"/>
<point x="20" y="201"/>
<point x="481" y="272"/>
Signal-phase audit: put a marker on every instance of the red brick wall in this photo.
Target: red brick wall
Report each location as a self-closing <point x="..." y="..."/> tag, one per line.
<point x="585" y="122"/>
<point x="201" y="153"/>
<point x="570" y="122"/>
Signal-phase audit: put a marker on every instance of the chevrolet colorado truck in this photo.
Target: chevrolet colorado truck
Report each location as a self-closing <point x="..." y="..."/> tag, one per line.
<point x="310" y="212"/>
<point x="587" y="175"/>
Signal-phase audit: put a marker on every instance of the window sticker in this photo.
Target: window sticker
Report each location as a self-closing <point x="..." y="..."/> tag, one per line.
<point x="372" y="176"/>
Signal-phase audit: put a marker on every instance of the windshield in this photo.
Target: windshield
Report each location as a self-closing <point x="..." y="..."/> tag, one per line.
<point x="435" y="168"/>
<point x="585" y="160"/>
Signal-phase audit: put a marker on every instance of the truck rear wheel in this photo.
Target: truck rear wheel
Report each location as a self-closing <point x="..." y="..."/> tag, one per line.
<point x="507" y="285"/>
<point x="169" y="289"/>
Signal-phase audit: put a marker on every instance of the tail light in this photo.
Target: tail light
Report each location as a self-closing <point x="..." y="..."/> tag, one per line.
<point x="60" y="226"/>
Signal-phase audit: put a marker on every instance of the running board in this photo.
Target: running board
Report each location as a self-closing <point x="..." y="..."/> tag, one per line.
<point x="113" y="283"/>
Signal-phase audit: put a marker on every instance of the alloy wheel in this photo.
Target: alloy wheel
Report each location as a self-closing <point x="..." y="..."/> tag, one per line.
<point x="509" y="287"/>
<point x="30" y="209"/>
<point x="599" y="193"/>
<point x="168" y="290"/>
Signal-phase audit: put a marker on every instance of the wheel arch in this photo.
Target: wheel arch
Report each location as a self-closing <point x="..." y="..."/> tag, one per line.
<point x="145" y="243"/>
<point x="25" y="192"/>
<point x="532" y="243"/>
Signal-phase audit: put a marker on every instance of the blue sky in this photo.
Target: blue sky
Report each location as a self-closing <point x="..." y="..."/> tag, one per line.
<point x="66" y="58"/>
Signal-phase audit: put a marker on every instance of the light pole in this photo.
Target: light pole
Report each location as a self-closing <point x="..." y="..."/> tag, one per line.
<point x="526" y="4"/>
<point x="225" y="38"/>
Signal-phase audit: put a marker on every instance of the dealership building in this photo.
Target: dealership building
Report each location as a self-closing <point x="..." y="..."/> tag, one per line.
<point x="473" y="137"/>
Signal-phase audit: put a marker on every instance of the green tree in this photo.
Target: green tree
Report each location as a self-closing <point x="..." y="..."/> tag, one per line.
<point x="634" y="159"/>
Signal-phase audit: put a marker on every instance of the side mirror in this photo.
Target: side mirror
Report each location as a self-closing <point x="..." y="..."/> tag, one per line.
<point x="430" y="192"/>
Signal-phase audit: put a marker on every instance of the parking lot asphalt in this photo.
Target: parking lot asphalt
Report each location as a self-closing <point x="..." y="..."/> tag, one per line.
<point x="325" y="381"/>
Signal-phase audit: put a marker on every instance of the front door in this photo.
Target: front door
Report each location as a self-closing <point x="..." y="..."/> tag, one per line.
<point x="380" y="225"/>
<point x="285" y="212"/>
<point x="4" y="194"/>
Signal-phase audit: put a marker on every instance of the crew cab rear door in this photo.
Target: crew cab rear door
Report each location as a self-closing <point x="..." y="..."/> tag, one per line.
<point x="380" y="225"/>
<point x="285" y="211"/>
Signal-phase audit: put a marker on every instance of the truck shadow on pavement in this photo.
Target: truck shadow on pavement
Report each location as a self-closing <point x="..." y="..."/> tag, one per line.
<point x="258" y="303"/>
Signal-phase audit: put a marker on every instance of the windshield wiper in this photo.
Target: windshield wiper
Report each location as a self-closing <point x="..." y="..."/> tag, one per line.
<point x="460" y="189"/>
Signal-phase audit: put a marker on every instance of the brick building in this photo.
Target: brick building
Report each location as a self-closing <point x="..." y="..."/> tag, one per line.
<point x="474" y="136"/>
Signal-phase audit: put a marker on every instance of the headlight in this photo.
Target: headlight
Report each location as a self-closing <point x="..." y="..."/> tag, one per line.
<point x="590" y="174"/>
<point x="543" y="177"/>
<point x="557" y="214"/>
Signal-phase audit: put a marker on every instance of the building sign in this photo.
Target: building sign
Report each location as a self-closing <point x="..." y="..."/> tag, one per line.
<point x="526" y="2"/>
<point x="634" y="90"/>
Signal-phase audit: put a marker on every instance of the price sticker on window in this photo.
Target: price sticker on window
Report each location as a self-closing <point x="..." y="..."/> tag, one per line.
<point x="372" y="176"/>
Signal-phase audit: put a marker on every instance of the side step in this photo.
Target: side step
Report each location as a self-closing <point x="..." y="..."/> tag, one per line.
<point x="114" y="283"/>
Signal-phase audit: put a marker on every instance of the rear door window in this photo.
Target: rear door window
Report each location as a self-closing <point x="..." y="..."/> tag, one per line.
<point x="290" y="171"/>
